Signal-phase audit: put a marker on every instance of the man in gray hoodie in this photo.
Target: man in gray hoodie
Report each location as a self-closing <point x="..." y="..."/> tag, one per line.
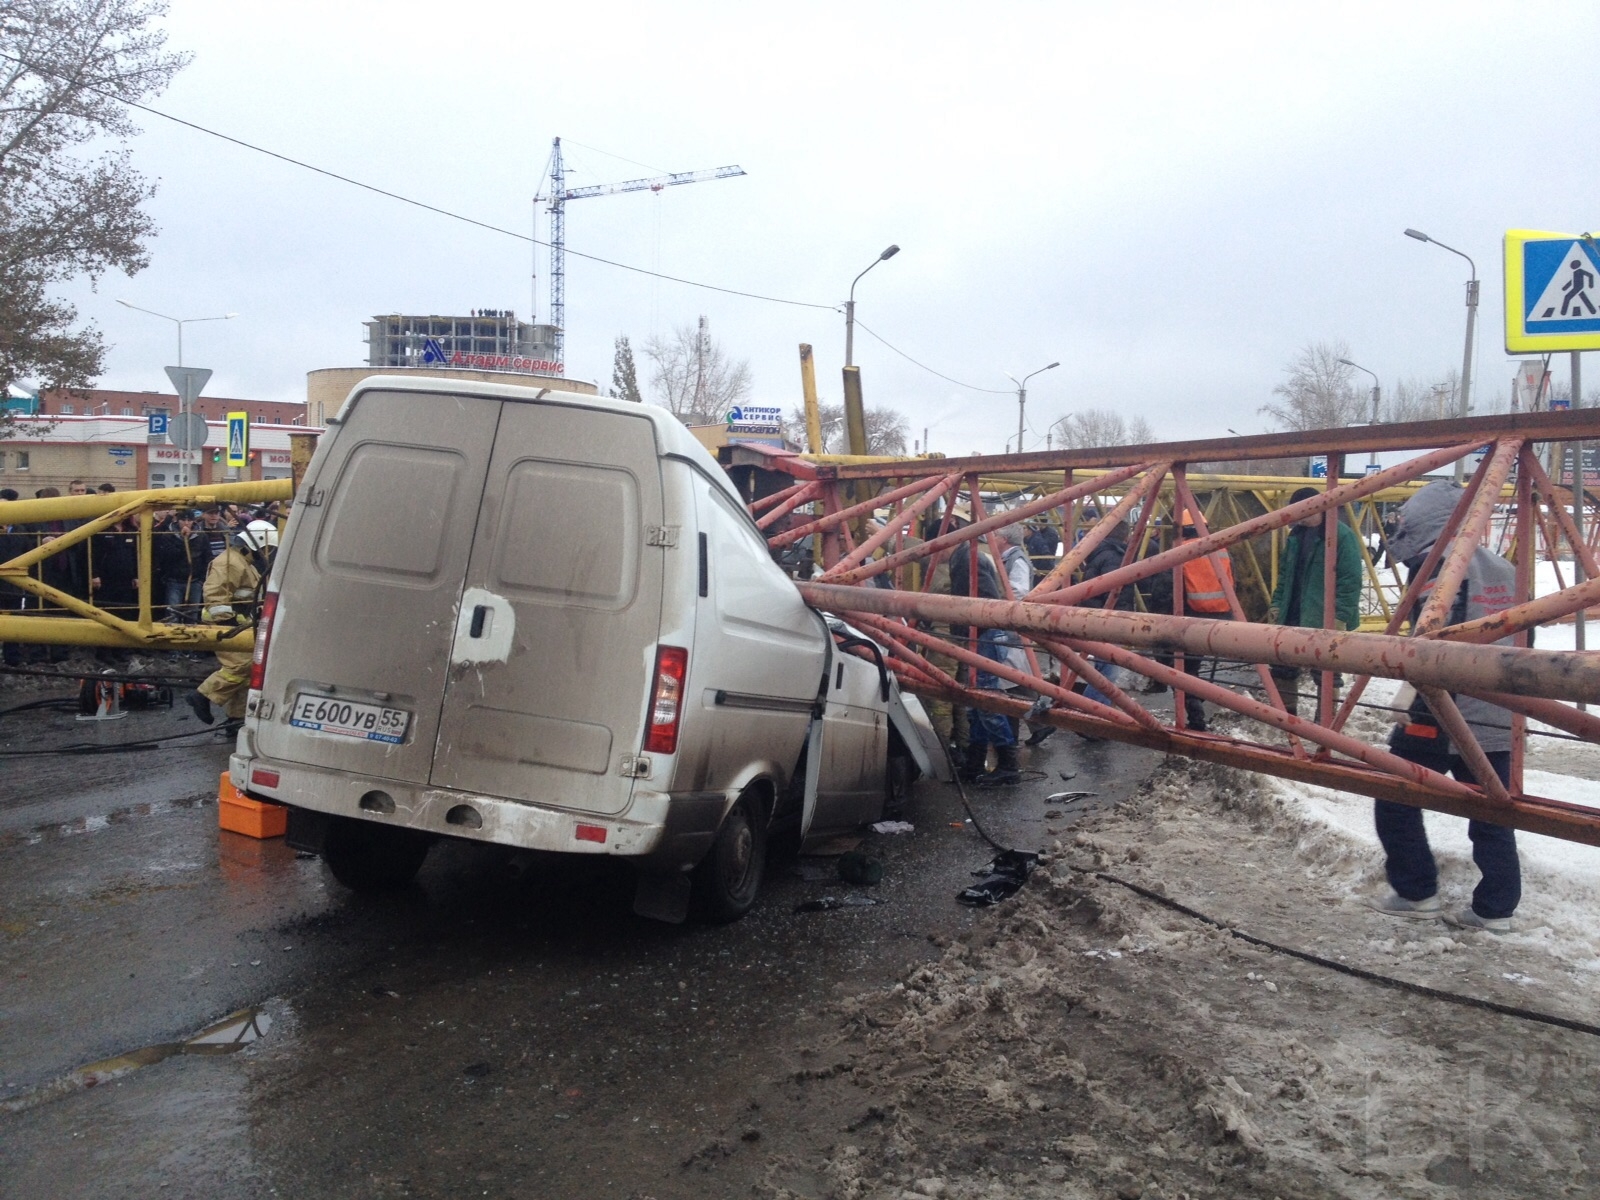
<point x="1490" y="586"/>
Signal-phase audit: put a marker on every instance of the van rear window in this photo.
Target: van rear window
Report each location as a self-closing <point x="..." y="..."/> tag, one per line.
<point x="569" y="534"/>
<point x="389" y="512"/>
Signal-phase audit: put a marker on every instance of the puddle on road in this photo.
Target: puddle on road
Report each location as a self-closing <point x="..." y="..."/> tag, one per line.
<point x="94" y="823"/>
<point x="231" y="1034"/>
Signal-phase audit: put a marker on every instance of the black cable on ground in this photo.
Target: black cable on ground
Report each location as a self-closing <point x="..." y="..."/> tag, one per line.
<point x="1418" y="989"/>
<point x="107" y="677"/>
<point x="116" y="747"/>
<point x="60" y="703"/>
<point x="955" y="777"/>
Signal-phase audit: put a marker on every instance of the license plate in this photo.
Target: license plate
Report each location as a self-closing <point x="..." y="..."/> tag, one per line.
<point x="346" y="718"/>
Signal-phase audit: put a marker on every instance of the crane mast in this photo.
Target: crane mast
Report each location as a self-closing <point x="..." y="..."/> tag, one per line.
<point x="560" y="194"/>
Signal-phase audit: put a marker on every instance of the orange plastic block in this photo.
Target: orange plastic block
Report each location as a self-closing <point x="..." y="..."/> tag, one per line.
<point x="237" y="813"/>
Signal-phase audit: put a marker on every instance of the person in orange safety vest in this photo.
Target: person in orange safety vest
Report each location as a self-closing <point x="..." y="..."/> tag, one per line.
<point x="1206" y="582"/>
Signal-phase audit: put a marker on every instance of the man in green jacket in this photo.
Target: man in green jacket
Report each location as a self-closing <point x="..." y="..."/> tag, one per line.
<point x="1298" y="598"/>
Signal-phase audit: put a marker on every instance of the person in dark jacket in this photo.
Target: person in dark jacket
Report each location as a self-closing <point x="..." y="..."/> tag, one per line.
<point x="1489" y="587"/>
<point x="1298" y="598"/>
<point x="1043" y="543"/>
<point x="181" y="554"/>
<point x="1104" y="559"/>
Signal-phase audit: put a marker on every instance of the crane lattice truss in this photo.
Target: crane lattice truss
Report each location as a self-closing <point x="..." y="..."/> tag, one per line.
<point x="864" y="517"/>
<point x="560" y="193"/>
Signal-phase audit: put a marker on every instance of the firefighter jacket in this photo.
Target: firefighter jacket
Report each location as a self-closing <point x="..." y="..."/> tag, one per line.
<point x="1203" y="594"/>
<point x="231" y="583"/>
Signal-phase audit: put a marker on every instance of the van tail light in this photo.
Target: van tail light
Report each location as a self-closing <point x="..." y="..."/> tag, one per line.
<point x="666" y="700"/>
<point x="258" y="657"/>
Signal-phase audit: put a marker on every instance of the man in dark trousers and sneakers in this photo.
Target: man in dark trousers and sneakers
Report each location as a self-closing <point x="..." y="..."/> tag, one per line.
<point x="988" y="588"/>
<point x="1298" y="598"/>
<point x="1489" y="587"/>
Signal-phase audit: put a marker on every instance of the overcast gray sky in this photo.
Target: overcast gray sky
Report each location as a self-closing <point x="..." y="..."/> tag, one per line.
<point x="1170" y="199"/>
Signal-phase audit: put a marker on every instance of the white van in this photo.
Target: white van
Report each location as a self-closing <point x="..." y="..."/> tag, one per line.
<point x="546" y="620"/>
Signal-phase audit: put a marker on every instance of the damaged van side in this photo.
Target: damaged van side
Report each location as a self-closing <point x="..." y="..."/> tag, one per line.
<point x="546" y="620"/>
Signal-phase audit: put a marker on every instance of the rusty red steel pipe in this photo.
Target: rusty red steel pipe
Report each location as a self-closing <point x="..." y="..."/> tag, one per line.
<point x="1414" y="586"/>
<point x="804" y="494"/>
<point x="1042" y="686"/>
<point x="1193" y="548"/>
<point x="980" y="528"/>
<point x="897" y="523"/>
<point x="835" y="519"/>
<point x="1079" y="554"/>
<point x="766" y="502"/>
<point x="1465" y="741"/>
<point x="1476" y="523"/>
<point x="1080" y="665"/>
<point x="1546" y="608"/>
<point x="1464" y="667"/>
<point x="1382" y="760"/>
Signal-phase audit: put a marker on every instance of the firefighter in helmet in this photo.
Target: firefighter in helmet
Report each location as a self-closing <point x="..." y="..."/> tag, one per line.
<point x="233" y="584"/>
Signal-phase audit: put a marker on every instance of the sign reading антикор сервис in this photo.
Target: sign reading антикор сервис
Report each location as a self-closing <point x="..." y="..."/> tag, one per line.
<point x="1552" y="292"/>
<point x="748" y="418"/>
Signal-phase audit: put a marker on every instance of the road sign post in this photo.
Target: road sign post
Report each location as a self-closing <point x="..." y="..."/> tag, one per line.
<point x="1552" y="292"/>
<point x="188" y="381"/>
<point x="238" y="440"/>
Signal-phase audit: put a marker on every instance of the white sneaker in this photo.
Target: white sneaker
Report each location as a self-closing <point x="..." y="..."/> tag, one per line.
<point x="1467" y="919"/>
<point x="1396" y="905"/>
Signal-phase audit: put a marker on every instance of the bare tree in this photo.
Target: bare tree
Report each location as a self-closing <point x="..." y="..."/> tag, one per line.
<point x="1420" y="400"/>
<point x="66" y="69"/>
<point x="693" y="376"/>
<point x="1100" y="427"/>
<point x="1319" y="392"/>
<point x="886" y="429"/>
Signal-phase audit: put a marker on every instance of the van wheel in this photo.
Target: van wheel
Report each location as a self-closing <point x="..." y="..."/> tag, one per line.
<point x="373" y="858"/>
<point x="729" y="877"/>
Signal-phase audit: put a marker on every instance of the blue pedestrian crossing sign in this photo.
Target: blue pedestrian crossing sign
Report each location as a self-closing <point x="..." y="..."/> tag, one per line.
<point x="238" y="439"/>
<point x="1552" y="291"/>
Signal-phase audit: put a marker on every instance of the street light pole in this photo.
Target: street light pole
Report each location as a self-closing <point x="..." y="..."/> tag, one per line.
<point x="180" y="322"/>
<point x="1022" y="396"/>
<point x="183" y="402"/>
<point x="1464" y="403"/>
<point x="850" y="308"/>
<point x="1373" y="461"/>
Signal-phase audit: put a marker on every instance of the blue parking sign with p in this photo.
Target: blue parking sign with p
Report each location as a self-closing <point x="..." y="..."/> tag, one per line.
<point x="238" y="439"/>
<point x="158" y="424"/>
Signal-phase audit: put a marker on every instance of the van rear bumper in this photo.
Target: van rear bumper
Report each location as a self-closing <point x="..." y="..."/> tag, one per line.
<point x="670" y="831"/>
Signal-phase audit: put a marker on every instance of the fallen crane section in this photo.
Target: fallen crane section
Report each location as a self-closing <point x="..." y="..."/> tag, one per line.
<point x="917" y="514"/>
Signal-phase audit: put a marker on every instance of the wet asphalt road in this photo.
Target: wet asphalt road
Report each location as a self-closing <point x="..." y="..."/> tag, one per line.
<point x="489" y="1031"/>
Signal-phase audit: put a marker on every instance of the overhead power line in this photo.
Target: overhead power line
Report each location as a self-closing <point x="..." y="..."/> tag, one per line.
<point x="433" y="208"/>
<point x="511" y="233"/>
<point x="971" y="387"/>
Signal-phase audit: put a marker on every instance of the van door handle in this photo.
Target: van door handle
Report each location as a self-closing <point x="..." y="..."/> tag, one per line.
<point x="480" y="616"/>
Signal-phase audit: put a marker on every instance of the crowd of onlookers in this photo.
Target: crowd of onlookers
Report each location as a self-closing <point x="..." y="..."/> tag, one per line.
<point x="104" y="569"/>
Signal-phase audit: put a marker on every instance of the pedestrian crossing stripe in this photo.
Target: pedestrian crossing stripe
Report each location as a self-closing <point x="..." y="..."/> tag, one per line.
<point x="1552" y="292"/>
<point x="238" y="439"/>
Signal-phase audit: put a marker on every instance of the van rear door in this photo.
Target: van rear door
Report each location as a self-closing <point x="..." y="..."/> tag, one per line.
<point x="370" y="582"/>
<point x="556" y="636"/>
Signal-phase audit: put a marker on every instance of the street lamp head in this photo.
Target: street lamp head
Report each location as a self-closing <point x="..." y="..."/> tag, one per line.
<point x="1345" y="362"/>
<point x="1418" y="234"/>
<point x="889" y="253"/>
<point x="1051" y="366"/>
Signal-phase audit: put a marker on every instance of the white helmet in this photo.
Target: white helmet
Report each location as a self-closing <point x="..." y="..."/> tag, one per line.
<point x="258" y="535"/>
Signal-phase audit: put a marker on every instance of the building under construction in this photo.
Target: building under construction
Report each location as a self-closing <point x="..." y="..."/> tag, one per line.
<point x="488" y="339"/>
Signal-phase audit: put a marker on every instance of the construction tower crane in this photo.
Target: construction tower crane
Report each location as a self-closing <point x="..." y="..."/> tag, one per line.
<point x="560" y="194"/>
